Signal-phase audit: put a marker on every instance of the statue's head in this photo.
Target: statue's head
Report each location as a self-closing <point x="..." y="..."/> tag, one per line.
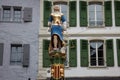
<point x="56" y="8"/>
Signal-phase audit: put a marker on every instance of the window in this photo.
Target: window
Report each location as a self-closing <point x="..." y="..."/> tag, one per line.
<point x="68" y="8"/>
<point x="17" y="14"/>
<point x="95" y="13"/>
<point x="63" y="8"/>
<point x="6" y="13"/>
<point x="97" y="53"/>
<point x="16" y="54"/>
<point x="13" y="14"/>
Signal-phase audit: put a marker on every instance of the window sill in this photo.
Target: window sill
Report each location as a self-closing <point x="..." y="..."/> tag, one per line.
<point x="11" y="21"/>
<point x="96" y="26"/>
<point x="97" y="67"/>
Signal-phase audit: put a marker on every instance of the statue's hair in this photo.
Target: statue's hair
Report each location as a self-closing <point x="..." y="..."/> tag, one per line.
<point x="56" y="6"/>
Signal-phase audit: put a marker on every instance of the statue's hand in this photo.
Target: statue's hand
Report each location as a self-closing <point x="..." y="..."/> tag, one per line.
<point x="49" y="29"/>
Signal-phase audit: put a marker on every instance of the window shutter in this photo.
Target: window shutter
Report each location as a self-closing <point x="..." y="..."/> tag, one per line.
<point x="117" y="13"/>
<point x="84" y="52"/>
<point x="83" y="14"/>
<point x="109" y="52"/>
<point x="72" y="13"/>
<point x="27" y="15"/>
<point x="73" y="53"/>
<point x="1" y="53"/>
<point x="26" y="55"/>
<point x="118" y="51"/>
<point x="46" y="58"/>
<point x="108" y="13"/>
<point x="0" y="14"/>
<point x="47" y="12"/>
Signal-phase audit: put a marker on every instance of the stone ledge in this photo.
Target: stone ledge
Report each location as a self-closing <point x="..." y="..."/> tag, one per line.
<point x="91" y="78"/>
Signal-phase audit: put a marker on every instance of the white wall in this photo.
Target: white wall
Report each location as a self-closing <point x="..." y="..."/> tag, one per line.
<point x="84" y="33"/>
<point x="25" y="33"/>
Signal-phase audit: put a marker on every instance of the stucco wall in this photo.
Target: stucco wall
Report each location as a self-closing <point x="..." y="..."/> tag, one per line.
<point x="23" y="33"/>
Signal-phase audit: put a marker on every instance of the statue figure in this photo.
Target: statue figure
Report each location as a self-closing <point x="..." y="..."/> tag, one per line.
<point x="57" y="25"/>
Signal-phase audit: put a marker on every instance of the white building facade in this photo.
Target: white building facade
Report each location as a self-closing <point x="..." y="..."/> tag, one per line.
<point x="19" y="28"/>
<point x="93" y="35"/>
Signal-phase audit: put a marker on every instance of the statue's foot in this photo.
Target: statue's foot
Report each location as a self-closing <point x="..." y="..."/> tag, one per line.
<point x="56" y="49"/>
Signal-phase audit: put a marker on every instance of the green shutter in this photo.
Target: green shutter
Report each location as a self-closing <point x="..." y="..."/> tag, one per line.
<point x="47" y="12"/>
<point x="108" y="13"/>
<point x="84" y="53"/>
<point x="46" y="58"/>
<point x="83" y="14"/>
<point x="118" y="51"/>
<point x="72" y="13"/>
<point x="117" y="13"/>
<point x="72" y="53"/>
<point x="109" y="52"/>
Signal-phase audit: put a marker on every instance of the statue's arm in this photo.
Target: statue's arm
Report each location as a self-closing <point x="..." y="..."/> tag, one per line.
<point x="50" y="21"/>
<point x="64" y="23"/>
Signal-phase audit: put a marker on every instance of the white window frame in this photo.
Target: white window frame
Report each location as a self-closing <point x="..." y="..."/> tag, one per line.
<point x="62" y="2"/>
<point x="97" y="26"/>
<point x="104" y="53"/>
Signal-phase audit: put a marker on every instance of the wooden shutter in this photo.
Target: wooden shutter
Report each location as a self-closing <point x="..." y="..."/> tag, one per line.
<point x="1" y="53"/>
<point x="108" y="13"/>
<point x="83" y="14"/>
<point x="109" y="52"/>
<point x="72" y="53"/>
<point x="47" y="12"/>
<point x="84" y="53"/>
<point x="46" y="58"/>
<point x="117" y="13"/>
<point x="72" y="13"/>
<point x="26" y="55"/>
<point x="118" y="51"/>
<point x="27" y="15"/>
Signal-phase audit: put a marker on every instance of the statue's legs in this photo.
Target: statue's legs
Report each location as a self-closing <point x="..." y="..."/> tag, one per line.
<point x="55" y="41"/>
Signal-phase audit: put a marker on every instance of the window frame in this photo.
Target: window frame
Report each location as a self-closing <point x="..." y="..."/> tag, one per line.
<point x="20" y="10"/>
<point x="11" y="14"/>
<point x="96" y="26"/>
<point x="22" y="52"/>
<point x="3" y="9"/>
<point x="64" y="3"/>
<point x="104" y="53"/>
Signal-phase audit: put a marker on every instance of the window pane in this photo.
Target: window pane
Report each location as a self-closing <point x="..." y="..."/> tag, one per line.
<point x="64" y="10"/>
<point x="92" y="23"/>
<point x="98" y="7"/>
<point x="99" y="15"/>
<point x="100" y="53"/>
<point x="92" y="7"/>
<point x="93" y="54"/>
<point x="91" y="15"/>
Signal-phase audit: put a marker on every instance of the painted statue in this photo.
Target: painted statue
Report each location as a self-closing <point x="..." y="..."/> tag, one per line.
<point x="57" y="26"/>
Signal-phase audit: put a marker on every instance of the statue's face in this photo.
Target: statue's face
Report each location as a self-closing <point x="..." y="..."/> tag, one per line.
<point x="56" y="8"/>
